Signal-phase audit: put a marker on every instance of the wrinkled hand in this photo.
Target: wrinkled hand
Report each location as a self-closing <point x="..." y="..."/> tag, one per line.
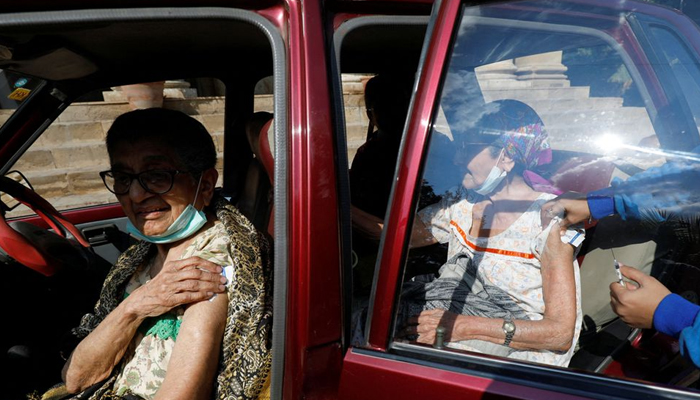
<point x="425" y="324"/>
<point x="571" y="207"/>
<point x="636" y="304"/>
<point x="179" y="282"/>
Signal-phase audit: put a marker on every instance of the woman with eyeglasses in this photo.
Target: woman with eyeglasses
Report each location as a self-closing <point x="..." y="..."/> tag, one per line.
<point x="181" y="308"/>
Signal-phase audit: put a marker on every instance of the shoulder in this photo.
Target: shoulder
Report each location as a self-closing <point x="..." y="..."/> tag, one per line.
<point x="212" y="245"/>
<point x="543" y="198"/>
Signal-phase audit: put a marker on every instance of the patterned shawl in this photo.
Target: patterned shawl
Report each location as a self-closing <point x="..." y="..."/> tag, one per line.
<point x="244" y="362"/>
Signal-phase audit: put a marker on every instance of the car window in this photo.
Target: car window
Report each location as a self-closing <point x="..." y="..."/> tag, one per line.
<point x="533" y="96"/>
<point x="373" y="89"/>
<point x="62" y="165"/>
<point x="681" y="61"/>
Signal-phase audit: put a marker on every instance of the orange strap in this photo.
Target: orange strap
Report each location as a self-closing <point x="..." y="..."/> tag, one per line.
<point x="490" y="250"/>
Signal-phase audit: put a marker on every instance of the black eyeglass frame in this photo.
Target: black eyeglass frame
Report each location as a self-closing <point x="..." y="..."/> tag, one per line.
<point x="138" y="177"/>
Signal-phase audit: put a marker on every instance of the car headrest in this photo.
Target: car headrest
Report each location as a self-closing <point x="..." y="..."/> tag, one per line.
<point x="584" y="174"/>
<point x="260" y="137"/>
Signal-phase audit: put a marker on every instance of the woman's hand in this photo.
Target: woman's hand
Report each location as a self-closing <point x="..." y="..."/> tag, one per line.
<point x="636" y="304"/>
<point x="178" y="283"/>
<point x="425" y="324"/>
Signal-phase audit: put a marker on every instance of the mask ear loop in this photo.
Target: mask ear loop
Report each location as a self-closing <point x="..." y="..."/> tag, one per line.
<point x="197" y="192"/>
<point x="500" y="155"/>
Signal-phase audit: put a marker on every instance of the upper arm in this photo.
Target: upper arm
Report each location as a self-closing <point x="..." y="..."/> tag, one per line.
<point x="558" y="278"/>
<point x="194" y="361"/>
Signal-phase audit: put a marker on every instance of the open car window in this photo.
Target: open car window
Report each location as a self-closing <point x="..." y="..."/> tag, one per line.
<point x="62" y="165"/>
<point x="610" y="106"/>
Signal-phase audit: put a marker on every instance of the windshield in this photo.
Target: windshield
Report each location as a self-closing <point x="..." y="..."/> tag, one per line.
<point x="14" y="90"/>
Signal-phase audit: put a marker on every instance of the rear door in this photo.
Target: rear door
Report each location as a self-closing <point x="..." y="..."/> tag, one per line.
<point x="585" y="68"/>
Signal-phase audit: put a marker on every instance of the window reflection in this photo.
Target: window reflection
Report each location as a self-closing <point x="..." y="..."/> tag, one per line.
<point x="612" y="139"/>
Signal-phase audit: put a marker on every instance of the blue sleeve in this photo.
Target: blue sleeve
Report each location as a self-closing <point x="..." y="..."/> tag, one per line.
<point x="601" y="203"/>
<point x="672" y="187"/>
<point x="690" y="342"/>
<point x="677" y="317"/>
<point x="674" y="314"/>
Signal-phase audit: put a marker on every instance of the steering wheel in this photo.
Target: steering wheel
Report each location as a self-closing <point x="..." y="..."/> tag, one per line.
<point x="40" y="249"/>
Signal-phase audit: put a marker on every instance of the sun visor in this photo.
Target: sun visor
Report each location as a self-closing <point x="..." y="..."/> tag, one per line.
<point x="60" y="64"/>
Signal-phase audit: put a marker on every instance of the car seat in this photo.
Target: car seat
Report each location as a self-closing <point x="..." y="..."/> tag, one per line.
<point x="256" y="201"/>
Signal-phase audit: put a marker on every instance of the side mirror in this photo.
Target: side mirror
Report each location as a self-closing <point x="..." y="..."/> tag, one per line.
<point x="7" y="202"/>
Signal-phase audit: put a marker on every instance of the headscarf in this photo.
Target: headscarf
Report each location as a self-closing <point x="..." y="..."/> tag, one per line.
<point x="521" y="134"/>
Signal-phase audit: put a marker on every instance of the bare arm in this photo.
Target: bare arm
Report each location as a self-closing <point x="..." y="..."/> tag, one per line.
<point x="95" y="356"/>
<point x="554" y="332"/>
<point x="179" y="282"/>
<point x="371" y="227"/>
<point x="194" y="361"/>
<point x="367" y="224"/>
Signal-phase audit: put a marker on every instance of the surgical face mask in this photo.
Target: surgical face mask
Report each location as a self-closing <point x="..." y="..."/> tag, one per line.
<point x="189" y="222"/>
<point x="495" y="177"/>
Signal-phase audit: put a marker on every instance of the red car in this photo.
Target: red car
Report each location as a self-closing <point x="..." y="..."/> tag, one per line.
<point x="616" y="84"/>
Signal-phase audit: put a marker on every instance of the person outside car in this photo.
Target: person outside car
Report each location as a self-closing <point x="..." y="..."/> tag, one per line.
<point x="650" y="195"/>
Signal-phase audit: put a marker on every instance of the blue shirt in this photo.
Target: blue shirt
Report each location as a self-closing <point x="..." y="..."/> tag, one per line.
<point x="677" y="317"/>
<point x="673" y="188"/>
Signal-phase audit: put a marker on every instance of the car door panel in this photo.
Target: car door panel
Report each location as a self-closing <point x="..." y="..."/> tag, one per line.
<point x="416" y="371"/>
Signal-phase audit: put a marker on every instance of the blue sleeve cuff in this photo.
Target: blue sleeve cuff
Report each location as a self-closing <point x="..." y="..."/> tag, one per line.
<point x="601" y="203"/>
<point x="673" y="314"/>
<point x="690" y="342"/>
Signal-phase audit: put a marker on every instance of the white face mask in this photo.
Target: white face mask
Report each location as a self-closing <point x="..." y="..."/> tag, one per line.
<point x="495" y="177"/>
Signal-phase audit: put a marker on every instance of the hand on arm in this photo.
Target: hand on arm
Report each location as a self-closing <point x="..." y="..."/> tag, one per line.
<point x="636" y="304"/>
<point x="554" y="332"/>
<point x="179" y="282"/>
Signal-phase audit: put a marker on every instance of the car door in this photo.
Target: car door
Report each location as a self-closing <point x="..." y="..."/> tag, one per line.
<point x="54" y="127"/>
<point x="589" y="72"/>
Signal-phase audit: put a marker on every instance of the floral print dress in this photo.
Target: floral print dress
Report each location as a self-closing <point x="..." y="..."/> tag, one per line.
<point x="509" y="260"/>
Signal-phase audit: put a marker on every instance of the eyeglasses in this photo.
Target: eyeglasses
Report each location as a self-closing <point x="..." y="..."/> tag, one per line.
<point x="153" y="181"/>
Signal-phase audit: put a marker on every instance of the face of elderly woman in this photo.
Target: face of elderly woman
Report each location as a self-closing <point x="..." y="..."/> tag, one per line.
<point x="152" y="213"/>
<point x="477" y="161"/>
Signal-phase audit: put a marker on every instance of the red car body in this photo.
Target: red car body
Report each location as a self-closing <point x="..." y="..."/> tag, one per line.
<point x="312" y="355"/>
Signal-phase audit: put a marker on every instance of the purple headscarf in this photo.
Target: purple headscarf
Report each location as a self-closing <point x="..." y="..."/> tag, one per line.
<point x="522" y="135"/>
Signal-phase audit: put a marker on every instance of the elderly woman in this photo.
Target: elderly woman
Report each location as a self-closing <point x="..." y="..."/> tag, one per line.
<point x="180" y="308"/>
<point x="510" y="286"/>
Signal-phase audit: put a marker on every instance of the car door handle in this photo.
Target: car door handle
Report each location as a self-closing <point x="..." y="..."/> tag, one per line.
<point x="102" y="234"/>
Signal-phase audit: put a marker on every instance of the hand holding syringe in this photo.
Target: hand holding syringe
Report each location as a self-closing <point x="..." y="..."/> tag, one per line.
<point x="619" y="273"/>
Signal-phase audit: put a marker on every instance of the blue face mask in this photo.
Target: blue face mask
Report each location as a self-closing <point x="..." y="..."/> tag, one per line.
<point x="496" y="176"/>
<point x="189" y="222"/>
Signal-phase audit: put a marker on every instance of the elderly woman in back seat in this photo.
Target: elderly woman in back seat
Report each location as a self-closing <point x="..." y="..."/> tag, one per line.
<point x="510" y="286"/>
